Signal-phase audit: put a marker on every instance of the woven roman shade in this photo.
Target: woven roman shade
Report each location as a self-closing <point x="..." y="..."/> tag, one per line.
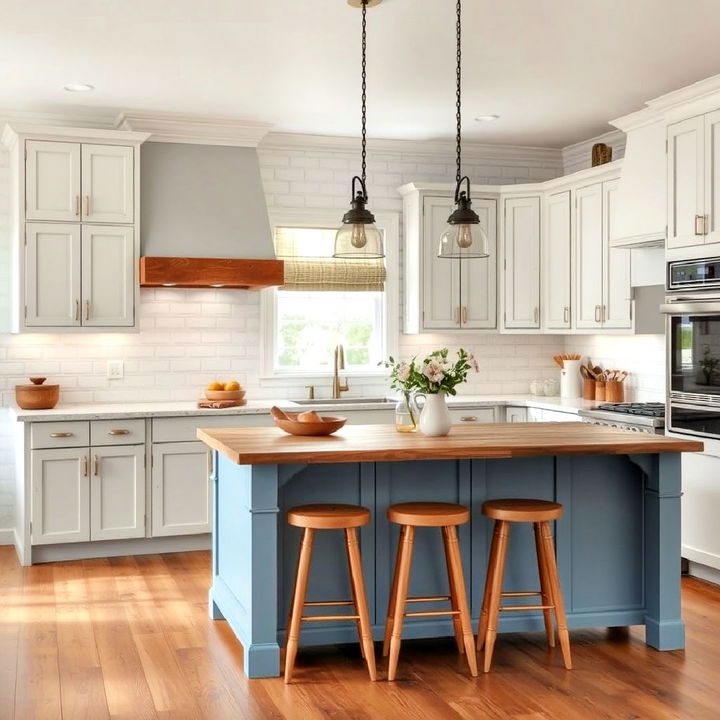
<point x="309" y="264"/>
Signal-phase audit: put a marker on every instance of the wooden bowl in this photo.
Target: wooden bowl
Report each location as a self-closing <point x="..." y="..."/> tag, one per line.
<point x="327" y="425"/>
<point x="236" y="395"/>
<point x="37" y="396"/>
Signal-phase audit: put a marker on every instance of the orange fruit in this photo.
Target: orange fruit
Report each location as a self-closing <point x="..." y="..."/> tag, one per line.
<point x="215" y="386"/>
<point x="232" y="385"/>
<point x="309" y="416"/>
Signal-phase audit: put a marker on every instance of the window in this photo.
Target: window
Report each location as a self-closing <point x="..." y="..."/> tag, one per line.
<point x="326" y="302"/>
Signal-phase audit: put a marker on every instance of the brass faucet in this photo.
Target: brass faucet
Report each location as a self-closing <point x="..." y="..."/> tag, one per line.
<point x="339" y="364"/>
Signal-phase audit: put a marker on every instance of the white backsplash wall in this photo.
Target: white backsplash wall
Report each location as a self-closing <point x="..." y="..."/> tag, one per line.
<point x="642" y="355"/>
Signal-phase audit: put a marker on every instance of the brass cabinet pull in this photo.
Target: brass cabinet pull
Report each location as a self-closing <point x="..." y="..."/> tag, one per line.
<point x="77" y="205"/>
<point x="210" y="464"/>
<point x="87" y="309"/>
<point x="464" y="314"/>
<point x="604" y="313"/>
<point x="96" y="465"/>
<point x="597" y="314"/>
<point x="77" y="310"/>
<point x="536" y="314"/>
<point x="456" y="315"/>
<point x="85" y="466"/>
<point x="566" y="314"/>
<point x="118" y="431"/>
<point x="706" y="224"/>
<point x="87" y="205"/>
<point x="468" y="418"/>
<point x="699" y="224"/>
<point x="61" y="434"/>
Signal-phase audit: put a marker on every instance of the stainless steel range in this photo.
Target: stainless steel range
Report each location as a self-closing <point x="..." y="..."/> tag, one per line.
<point x="648" y="417"/>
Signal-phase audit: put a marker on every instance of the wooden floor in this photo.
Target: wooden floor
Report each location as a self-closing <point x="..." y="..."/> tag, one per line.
<point x="130" y="638"/>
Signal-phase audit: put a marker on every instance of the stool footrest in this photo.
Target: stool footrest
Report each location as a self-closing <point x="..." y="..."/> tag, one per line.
<point x="521" y="593"/>
<point x="322" y="618"/>
<point x="515" y="608"/>
<point x="328" y="603"/>
<point x="429" y="598"/>
<point x="432" y="613"/>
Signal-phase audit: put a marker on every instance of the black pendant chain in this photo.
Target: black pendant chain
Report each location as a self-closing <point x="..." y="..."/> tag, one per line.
<point x="458" y="174"/>
<point x="364" y="84"/>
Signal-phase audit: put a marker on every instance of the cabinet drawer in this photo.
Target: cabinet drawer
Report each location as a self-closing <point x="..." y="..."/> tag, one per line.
<point x="117" y="432"/>
<point x="467" y="416"/>
<point x="59" y="434"/>
<point x="184" y="429"/>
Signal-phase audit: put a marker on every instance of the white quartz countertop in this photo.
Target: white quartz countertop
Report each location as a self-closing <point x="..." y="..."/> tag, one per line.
<point x="106" y="411"/>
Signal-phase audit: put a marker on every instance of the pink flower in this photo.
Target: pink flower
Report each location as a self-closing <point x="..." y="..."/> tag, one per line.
<point x="403" y="371"/>
<point x="473" y="363"/>
<point x="434" y="371"/>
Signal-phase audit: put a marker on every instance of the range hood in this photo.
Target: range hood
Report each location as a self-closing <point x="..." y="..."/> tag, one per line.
<point x="204" y="219"/>
<point x="641" y="205"/>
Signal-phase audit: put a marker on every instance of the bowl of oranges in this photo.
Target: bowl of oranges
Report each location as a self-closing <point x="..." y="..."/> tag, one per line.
<point x="231" y="390"/>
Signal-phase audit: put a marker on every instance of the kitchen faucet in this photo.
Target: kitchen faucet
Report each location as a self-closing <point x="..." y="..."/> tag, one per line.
<point x="339" y="364"/>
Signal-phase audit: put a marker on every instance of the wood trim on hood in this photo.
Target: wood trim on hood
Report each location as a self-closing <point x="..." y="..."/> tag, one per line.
<point x="186" y="272"/>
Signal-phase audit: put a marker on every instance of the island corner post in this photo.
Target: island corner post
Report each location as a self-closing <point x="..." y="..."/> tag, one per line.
<point x="617" y="544"/>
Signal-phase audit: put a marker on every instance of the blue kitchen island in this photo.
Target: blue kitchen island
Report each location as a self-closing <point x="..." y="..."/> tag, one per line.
<point x="617" y="545"/>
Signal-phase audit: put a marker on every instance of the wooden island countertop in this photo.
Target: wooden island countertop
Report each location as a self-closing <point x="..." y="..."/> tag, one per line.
<point x="382" y="443"/>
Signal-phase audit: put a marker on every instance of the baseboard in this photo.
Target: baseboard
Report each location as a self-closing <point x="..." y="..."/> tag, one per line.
<point x="7" y="536"/>
<point x="704" y="572"/>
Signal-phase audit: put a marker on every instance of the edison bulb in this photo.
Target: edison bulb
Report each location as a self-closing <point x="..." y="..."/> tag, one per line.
<point x="464" y="237"/>
<point x="358" y="239"/>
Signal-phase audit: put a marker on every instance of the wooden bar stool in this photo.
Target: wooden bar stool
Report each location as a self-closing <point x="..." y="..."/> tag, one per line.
<point x="539" y="513"/>
<point x="329" y="517"/>
<point x="427" y="514"/>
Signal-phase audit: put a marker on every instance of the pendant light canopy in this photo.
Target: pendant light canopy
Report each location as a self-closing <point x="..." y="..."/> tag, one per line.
<point x="358" y="237"/>
<point x="463" y="238"/>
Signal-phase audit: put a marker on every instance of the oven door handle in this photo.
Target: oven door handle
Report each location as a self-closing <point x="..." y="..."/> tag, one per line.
<point x="708" y="307"/>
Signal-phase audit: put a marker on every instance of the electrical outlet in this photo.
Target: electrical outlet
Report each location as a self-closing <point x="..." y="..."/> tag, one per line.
<point x="115" y="369"/>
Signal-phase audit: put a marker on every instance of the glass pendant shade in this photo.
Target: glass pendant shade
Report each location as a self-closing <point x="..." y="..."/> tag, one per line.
<point x="464" y="241"/>
<point x="360" y="241"/>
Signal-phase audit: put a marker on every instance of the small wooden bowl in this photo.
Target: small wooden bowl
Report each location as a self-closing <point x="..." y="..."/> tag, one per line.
<point x="37" y="396"/>
<point x="236" y="395"/>
<point x="328" y="425"/>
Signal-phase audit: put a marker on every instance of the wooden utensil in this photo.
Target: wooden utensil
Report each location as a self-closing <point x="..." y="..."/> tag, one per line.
<point x="279" y="414"/>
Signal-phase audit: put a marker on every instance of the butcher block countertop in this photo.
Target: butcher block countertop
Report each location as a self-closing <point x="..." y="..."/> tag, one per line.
<point x="381" y="443"/>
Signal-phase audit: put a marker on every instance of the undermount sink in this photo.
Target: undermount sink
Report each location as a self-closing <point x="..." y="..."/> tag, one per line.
<point x="347" y="401"/>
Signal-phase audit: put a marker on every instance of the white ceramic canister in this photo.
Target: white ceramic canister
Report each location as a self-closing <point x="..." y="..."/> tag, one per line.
<point x="570" y="379"/>
<point x="435" y="417"/>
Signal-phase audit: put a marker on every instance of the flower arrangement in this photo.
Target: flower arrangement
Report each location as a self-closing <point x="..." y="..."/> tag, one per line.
<point x="434" y="374"/>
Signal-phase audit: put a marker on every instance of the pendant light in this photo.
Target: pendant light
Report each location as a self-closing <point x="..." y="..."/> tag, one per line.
<point x="358" y="237"/>
<point x="463" y="238"/>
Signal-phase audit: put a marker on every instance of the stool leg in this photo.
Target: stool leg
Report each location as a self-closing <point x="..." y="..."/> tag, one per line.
<point x="393" y="592"/>
<point x="354" y="591"/>
<point x="483" y="622"/>
<point x="495" y="575"/>
<point x="400" y="594"/>
<point x="298" y="601"/>
<point x="546" y="591"/>
<point x="361" y="609"/>
<point x="557" y="598"/>
<point x="459" y="600"/>
<point x="457" y="627"/>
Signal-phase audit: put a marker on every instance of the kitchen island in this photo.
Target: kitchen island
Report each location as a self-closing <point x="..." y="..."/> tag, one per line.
<point x="617" y="545"/>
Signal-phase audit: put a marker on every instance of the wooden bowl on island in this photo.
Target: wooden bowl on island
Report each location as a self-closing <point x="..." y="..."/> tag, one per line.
<point x="325" y="425"/>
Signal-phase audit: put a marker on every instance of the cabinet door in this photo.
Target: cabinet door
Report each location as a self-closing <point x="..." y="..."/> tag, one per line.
<point x="516" y="414"/>
<point x="52" y="275"/>
<point x="181" y="489"/>
<point x="473" y="416"/>
<point x="617" y="300"/>
<point x="117" y="492"/>
<point x="52" y="181"/>
<point x="522" y="262"/>
<point x="685" y="177"/>
<point x="700" y="507"/>
<point x="441" y="276"/>
<point x="60" y="495"/>
<point x="556" y="261"/>
<point x="107" y="183"/>
<point x="108" y="276"/>
<point x="589" y="256"/>
<point x="478" y="276"/>
<point x="712" y="177"/>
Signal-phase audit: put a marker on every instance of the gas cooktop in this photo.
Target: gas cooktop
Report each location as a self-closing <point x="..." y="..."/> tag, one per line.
<point x="647" y="409"/>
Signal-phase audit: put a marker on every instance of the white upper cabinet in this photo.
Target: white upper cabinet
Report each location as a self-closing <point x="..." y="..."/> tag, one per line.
<point x="712" y="177"/>
<point x="617" y="294"/>
<point x="107" y="184"/>
<point x="52" y="275"/>
<point x="443" y="293"/>
<point x="556" y="261"/>
<point x="108" y="276"/>
<point x="52" y="181"/>
<point x="522" y="262"/>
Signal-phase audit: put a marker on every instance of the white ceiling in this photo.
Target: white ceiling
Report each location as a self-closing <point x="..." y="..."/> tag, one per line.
<point x="554" y="70"/>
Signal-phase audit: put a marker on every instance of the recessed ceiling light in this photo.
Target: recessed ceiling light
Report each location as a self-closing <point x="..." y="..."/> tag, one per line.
<point x="79" y="87"/>
<point x="487" y="118"/>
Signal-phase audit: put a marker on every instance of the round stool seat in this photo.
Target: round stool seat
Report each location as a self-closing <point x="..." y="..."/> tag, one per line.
<point x="428" y="514"/>
<point x="328" y="516"/>
<point x="522" y="510"/>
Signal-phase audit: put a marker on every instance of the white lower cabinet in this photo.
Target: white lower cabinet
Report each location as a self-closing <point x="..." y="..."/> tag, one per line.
<point x="117" y="492"/>
<point x="60" y="496"/>
<point x="473" y="416"/>
<point x="181" y="489"/>
<point x="516" y="414"/>
<point x="700" y="505"/>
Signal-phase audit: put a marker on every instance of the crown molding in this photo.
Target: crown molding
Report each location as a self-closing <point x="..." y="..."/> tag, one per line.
<point x="505" y="154"/>
<point x="578" y="156"/>
<point x="103" y="120"/>
<point x="194" y="129"/>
